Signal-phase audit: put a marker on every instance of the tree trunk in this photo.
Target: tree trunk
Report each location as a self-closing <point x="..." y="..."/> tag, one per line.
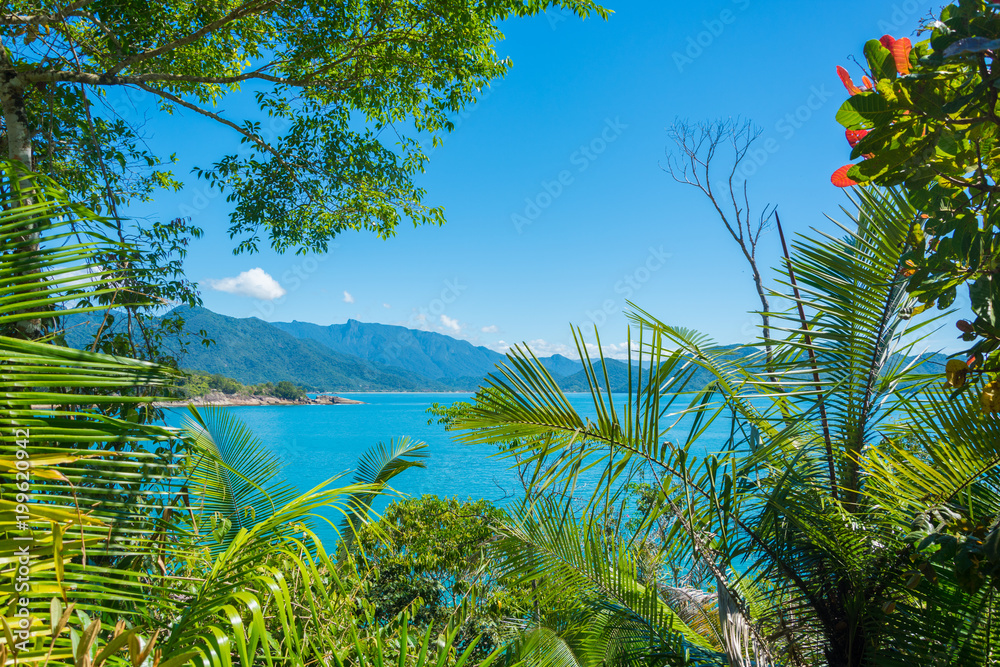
<point x="16" y="120"/>
<point x="765" y="318"/>
<point x="19" y="149"/>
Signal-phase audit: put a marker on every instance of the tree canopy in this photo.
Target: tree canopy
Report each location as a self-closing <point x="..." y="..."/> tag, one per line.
<point x="340" y="99"/>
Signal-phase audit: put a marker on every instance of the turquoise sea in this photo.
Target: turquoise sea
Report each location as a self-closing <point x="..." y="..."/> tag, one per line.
<point x="317" y="442"/>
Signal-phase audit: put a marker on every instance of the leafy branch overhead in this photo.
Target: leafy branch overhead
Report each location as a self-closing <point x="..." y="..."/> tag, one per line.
<point x="332" y="105"/>
<point x="925" y="118"/>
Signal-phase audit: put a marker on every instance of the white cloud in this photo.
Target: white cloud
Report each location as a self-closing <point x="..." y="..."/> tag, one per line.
<point x="544" y="348"/>
<point x="540" y="347"/>
<point x="615" y="351"/>
<point x="347" y="297"/>
<point x="451" y="324"/>
<point x="256" y="283"/>
<point x="491" y="329"/>
<point x="385" y="305"/>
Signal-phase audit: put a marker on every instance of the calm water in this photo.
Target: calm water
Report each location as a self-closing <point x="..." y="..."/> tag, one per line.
<point x="317" y="442"/>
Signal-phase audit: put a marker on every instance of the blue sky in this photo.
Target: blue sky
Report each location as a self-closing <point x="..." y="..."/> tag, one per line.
<point x="557" y="206"/>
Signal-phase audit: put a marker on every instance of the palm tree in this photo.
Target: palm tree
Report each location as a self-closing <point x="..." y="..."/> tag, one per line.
<point x="837" y="449"/>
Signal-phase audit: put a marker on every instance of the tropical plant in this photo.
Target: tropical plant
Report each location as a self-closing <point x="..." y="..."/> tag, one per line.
<point x="127" y="543"/>
<point x="820" y="517"/>
<point x="926" y="121"/>
<point x="593" y="599"/>
<point x="436" y="550"/>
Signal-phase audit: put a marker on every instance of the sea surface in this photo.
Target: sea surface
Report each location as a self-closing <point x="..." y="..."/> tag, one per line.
<point x="318" y="442"/>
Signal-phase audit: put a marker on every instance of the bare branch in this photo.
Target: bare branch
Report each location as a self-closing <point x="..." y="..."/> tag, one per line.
<point x="691" y="163"/>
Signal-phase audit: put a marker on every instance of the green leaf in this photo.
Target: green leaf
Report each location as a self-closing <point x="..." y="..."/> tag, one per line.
<point x="880" y="60"/>
<point x="865" y="111"/>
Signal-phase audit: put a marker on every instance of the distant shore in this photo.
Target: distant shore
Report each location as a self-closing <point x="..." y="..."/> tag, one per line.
<point x="221" y="400"/>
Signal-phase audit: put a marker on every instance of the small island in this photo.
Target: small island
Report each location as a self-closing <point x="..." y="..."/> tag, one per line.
<point x="211" y="389"/>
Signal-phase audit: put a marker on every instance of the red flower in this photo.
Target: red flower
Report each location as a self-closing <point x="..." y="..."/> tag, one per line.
<point x="840" y="178"/>
<point x="887" y="41"/>
<point x="846" y="78"/>
<point x="854" y="136"/>
<point x="901" y="54"/>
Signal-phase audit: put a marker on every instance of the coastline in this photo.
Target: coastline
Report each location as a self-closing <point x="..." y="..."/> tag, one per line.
<point x="220" y="400"/>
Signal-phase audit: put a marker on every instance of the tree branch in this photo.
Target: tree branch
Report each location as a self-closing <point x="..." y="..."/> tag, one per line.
<point x="263" y="145"/>
<point x="91" y="79"/>
<point x="698" y="145"/>
<point x="69" y="11"/>
<point x="208" y="28"/>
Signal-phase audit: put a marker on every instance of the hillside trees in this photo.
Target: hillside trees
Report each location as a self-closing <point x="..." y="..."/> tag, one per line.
<point x="430" y="555"/>
<point x="126" y="543"/>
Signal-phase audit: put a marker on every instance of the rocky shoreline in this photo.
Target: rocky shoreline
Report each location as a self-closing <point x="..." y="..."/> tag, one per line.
<point x="218" y="399"/>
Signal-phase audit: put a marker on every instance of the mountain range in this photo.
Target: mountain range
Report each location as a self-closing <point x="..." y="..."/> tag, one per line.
<point x="356" y="356"/>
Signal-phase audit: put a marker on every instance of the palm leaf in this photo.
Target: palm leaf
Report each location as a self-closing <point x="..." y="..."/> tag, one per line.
<point x="376" y="468"/>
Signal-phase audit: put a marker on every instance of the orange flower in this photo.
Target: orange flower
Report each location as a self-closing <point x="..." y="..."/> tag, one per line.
<point x="901" y="54"/>
<point x="846" y="79"/>
<point x="840" y="178"/>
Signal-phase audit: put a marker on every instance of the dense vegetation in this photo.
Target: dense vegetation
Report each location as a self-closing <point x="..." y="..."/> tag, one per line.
<point x="852" y="517"/>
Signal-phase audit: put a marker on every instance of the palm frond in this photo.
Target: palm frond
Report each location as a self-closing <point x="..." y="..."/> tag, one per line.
<point x="376" y="468"/>
<point x="569" y="561"/>
<point x="234" y="476"/>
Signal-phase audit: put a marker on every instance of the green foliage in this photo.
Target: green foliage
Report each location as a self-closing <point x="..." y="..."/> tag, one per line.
<point x="316" y="87"/>
<point x="817" y="523"/>
<point x="323" y="82"/>
<point x="288" y="391"/>
<point x="934" y="131"/>
<point x="198" y="383"/>
<point x="442" y="538"/>
<point x="429" y="554"/>
<point x="594" y="600"/>
<point x="136" y="544"/>
<point x="255" y="352"/>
